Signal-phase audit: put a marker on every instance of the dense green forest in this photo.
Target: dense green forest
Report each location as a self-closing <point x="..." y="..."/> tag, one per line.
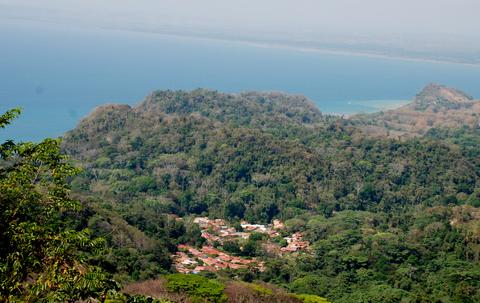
<point x="388" y="219"/>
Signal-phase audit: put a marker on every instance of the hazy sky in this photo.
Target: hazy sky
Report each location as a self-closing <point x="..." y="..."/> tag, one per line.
<point x="302" y="17"/>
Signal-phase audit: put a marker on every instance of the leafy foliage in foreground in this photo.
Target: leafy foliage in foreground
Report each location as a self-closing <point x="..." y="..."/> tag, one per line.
<point x="40" y="256"/>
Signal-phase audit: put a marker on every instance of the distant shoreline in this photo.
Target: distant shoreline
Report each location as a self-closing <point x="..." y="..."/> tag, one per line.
<point x="287" y="46"/>
<point x="259" y="43"/>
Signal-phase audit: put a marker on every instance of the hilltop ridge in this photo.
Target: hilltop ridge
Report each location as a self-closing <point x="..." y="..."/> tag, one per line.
<point x="438" y="96"/>
<point x="213" y="104"/>
<point x="436" y="106"/>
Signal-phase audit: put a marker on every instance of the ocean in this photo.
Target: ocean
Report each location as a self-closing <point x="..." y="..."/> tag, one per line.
<point x="58" y="74"/>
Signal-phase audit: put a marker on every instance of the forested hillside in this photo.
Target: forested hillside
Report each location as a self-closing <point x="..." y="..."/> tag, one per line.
<point x="388" y="220"/>
<point x="191" y="160"/>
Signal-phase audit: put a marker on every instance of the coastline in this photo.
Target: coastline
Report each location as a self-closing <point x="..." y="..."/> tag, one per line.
<point x="288" y="46"/>
<point x="252" y="42"/>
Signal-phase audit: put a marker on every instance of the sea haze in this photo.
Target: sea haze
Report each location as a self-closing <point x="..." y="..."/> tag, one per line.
<point x="58" y="75"/>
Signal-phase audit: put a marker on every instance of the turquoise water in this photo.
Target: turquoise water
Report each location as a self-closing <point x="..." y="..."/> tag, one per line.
<point x="58" y="75"/>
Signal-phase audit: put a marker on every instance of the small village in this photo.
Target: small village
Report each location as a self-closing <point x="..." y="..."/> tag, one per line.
<point x="189" y="259"/>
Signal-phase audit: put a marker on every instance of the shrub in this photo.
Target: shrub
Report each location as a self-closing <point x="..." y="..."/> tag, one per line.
<point x="311" y="298"/>
<point x="196" y="286"/>
<point x="232" y="247"/>
<point x="241" y="292"/>
<point x="256" y="236"/>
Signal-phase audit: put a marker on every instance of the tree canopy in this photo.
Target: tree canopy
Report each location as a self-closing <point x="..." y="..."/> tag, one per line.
<point x="41" y="256"/>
